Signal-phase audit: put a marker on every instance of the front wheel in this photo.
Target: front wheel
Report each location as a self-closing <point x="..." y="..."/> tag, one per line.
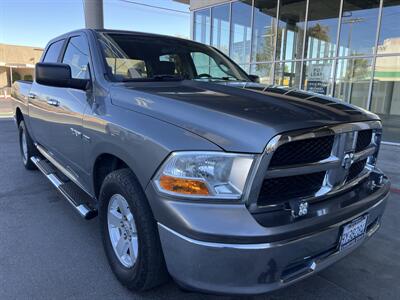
<point x="26" y="147"/>
<point x="129" y="233"/>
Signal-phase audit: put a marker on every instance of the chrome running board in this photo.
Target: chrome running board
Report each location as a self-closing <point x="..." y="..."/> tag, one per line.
<point x="79" y="199"/>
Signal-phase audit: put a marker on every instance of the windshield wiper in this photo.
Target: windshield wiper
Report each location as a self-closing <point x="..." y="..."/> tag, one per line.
<point x="166" y="77"/>
<point x="161" y="77"/>
<point x="217" y="78"/>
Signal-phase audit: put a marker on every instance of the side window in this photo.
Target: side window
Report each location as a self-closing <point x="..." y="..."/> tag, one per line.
<point x="53" y="52"/>
<point x="77" y="56"/>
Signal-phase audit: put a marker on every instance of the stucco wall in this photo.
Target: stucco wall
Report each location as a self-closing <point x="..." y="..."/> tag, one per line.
<point x="12" y="54"/>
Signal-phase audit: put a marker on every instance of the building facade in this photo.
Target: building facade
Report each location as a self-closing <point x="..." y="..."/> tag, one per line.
<point x="17" y="62"/>
<point x="349" y="49"/>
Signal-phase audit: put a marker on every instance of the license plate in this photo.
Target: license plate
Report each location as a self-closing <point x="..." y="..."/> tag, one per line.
<point x="353" y="232"/>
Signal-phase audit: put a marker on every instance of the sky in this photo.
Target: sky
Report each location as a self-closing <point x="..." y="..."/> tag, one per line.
<point x="35" y="22"/>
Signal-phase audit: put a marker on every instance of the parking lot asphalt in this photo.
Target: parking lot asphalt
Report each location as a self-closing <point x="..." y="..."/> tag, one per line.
<point x="48" y="252"/>
<point x="5" y="107"/>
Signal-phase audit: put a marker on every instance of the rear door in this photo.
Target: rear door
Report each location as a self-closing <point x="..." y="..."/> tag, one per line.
<point x="39" y="99"/>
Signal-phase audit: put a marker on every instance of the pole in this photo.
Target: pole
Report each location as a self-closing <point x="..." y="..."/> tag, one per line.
<point x="94" y="18"/>
<point x="11" y="77"/>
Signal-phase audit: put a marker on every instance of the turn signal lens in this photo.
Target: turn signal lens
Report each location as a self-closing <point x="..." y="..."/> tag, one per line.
<point x="183" y="186"/>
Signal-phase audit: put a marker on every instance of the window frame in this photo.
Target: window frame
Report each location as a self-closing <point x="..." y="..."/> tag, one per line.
<point x="60" y="52"/>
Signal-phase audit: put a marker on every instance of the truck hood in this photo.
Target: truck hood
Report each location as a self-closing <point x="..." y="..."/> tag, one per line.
<point x="236" y="116"/>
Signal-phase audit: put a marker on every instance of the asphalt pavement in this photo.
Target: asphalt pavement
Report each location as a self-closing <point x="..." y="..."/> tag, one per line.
<point x="48" y="252"/>
<point x="5" y="107"/>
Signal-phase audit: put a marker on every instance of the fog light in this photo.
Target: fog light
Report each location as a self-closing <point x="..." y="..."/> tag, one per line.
<point x="299" y="208"/>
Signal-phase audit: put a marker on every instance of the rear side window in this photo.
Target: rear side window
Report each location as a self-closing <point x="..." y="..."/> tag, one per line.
<point x="77" y="56"/>
<point x="53" y="52"/>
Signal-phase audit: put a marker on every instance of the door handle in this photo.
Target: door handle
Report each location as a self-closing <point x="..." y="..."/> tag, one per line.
<point x="31" y="96"/>
<point x="53" y="102"/>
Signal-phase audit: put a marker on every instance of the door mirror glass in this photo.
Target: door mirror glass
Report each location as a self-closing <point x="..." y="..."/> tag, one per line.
<point x="58" y="75"/>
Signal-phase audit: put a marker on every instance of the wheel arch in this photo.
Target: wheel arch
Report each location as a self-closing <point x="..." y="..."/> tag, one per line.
<point x="18" y="115"/>
<point x="104" y="164"/>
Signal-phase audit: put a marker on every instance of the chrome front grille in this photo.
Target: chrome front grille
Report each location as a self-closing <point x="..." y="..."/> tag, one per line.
<point x="363" y="139"/>
<point x="303" y="151"/>
<point x="309" y="165"/>
<point x="273" y="190"/>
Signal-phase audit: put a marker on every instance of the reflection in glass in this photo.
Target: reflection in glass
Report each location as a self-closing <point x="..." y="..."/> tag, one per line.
<point x="386" y="96"/>
<point x="245" y="67"/>
<point x="287" y="74"/>
<point x="358" y="31"/>
<point x="220" y="27"/>
<point x="290" y="29"/>
<point x="318" y="76"/>
<point x="202" y="26"/>
<point x="352" y="80"/>
<point x="241" y="31"/>
<point x="322" y="28"/>
<point x="389" y="37"/>
<point x="264" y="28"/>
<point x="264" y="71"/>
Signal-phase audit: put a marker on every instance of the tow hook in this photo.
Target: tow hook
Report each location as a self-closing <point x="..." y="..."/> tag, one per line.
<point x="376" y="180"/>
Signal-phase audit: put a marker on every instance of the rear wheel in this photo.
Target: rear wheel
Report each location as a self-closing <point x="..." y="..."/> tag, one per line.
<point x="129" y="233"/>
<point x="27" y="147"/>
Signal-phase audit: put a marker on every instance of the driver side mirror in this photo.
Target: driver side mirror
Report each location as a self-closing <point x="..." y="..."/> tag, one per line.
<point x="58" y="75"/>
<point x="254" y="78"/>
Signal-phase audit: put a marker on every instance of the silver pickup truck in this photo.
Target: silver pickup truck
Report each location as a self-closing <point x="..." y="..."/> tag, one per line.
<point x="196" y="170"/>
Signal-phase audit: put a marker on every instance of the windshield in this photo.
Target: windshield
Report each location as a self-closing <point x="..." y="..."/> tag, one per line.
<point x="132" y="57"/>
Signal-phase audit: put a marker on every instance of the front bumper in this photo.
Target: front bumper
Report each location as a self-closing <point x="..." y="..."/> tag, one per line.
<point x="254" y="268"/>
<point x="226" y="267"/>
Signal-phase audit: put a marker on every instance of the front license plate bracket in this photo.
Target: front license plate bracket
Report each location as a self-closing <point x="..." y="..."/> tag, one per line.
<point x="353" y="232"/>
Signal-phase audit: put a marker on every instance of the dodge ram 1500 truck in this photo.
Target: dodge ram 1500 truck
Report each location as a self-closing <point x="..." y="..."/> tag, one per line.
<point x="195" y="169"/>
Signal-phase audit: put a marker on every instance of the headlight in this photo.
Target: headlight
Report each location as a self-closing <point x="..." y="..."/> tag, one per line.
<point x="204" y="174"/>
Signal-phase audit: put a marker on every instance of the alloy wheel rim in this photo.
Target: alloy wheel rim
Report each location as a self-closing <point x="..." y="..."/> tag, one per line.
<point x="122" y="231"/>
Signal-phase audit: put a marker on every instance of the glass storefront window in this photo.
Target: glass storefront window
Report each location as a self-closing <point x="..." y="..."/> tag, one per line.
<point x="264" y="30"/>
<point x="241" y="31"/>
<point x="220" y="27"/>
<point x="318" y="76"/>
<point x="389" y="37"/>
<point x="202" y="25"/>
<point x="272" y="46"/>
<point x="287" y="74"/>
<point x="386" y="96"/>
<point x="322" y="27"/>
<point x="290" y="29"/>
<point x="352" y="80"/>
<point x="264" y="71"/>
<point x="358" y="28"/>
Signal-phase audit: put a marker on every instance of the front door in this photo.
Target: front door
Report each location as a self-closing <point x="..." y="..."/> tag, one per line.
<point x="69" y="106"/>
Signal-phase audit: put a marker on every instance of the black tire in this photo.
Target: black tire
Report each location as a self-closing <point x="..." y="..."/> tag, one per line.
<point x="30" y="147"/>
<point x="149" y="269"/>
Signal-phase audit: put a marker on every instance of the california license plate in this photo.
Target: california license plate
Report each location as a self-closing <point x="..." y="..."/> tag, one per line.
<point x="353" y="232"/>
